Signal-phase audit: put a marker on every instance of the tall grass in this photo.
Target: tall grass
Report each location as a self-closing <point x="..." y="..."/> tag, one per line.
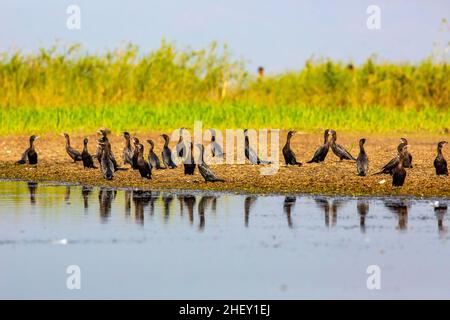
<point x="58" y="89"/>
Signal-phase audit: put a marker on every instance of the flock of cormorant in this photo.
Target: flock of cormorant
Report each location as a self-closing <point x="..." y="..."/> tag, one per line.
<point x="133" y="155"/>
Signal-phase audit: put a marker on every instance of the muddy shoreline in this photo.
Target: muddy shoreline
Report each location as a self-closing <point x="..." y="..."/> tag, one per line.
<point x="333" y="177"/>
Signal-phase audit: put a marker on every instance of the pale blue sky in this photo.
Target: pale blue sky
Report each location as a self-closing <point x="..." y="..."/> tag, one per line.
<point x="277" y="34"/>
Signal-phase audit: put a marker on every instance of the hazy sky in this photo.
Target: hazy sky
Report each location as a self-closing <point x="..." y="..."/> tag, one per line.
<point x="278" y="34"/>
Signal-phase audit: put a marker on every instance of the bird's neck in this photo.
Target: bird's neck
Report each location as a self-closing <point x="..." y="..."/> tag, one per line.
<point x="85" y="147"/>
<point x="127" y="142"/>
<point x="439" y="152"/>
<point x="68" y="142"/>
<point x="288" y="142"/>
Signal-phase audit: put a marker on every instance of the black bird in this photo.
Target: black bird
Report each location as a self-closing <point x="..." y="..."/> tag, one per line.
<point x="127" y="154"/>
<point x="250" y="154"/>
<point x="189" y="163"/>
<point x="153" y="159"/>
<point x="204" y="169"/>
<point x="181" y="147"/>
<point x="134" y="157"/>
<point x="322" y="151"/>
<point x="399" y="173"/>
<point x="30" y="154"/>
<point x="106" y="164"/>
<point x="407" y="163"/>
<point x="339" y="150"/>
<point x="289" y="155"/>
<point x="362" y="162"/>
<point x="144" y="168"/>
<point x="86" y="157"/>
<point x="104" y="133"/>
<point x="389" y="167"/>
<point x="74" y="154"/>
<point x="440" y="164"/>
<point x="167" y="153"/>
<point x="216" y="148"/>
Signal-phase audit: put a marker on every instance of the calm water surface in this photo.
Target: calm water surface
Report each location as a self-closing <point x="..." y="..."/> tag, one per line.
<point x="193" y="245"/>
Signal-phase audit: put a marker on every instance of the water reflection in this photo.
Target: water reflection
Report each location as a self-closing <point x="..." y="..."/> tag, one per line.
<point x="32" y="187"/>
<point x="288" y="205"/>
<point x="105" y="198"/>
<point x="440" y="209"/>
<point x="149" y="202"/>
<point x="400" y="208"/>
<point x="363" y="208"/>
<point x="248" y="203"/>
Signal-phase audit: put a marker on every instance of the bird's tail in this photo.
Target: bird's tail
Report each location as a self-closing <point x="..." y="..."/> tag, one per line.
<point x="21" y="161"/>
<point x="378" y="173"/>
<point x="264" y="162"/>
<point x="218" y="180"/>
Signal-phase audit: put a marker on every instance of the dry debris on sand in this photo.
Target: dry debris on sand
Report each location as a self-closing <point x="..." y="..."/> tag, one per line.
<point x="331" y="177"/>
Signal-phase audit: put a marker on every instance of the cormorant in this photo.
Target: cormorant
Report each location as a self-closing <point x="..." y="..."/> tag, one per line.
<point x="74" y="154"/>
<point x="135" y="155"/>
<point x="216" y="149"/>
<point x="189" y="163"/>
<point x="167" y="153"/>
<point x="144" y="168"/>
<point x="440" y="164"/>
<point x="339" y="150"/>
<point x="127" y="154"/>
<point x="389" y="167"/>
<point x="362" y="162"/>
<point x="106" y="164"/>
<point x="181" y="147"/>
<point x="250" y="154"/>
<point x="322" y="151"/>
<point x="407" y="163"/>
<point x="104" y="133"/>
<point x="153" y="159"/>
<point x="204" y="169"/>
<point x="30" y="154"/>
<point x="289" y="155"/>
<point x="86" y="157"/>
<point x="399" y="173"/>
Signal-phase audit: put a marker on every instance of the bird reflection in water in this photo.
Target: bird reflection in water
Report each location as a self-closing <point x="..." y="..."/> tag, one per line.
<point x="189" y="202"/>
<point x="330" y="211"/>
<point x="85" y="192"/>
<point x="167" y="199"/>
<point x="248" y="204"/>
<point x="289" y="203"/>
<point x="67" y="195"/>
<point x="141" y="200"/>
<point x="363" y="208"/>
<point x="325" y="206"/>
<point x="105" y="198"/>
<point x="32" y="187"/>
<point x="204" y="202"/>
<point x="155" y="196"/>
<point x="127" y="194"/>
<point x="400" y="208"/>
<point x="440" y="209"/>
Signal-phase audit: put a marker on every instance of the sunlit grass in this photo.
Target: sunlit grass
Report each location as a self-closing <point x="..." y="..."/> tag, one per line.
<point x="64" y="89"/>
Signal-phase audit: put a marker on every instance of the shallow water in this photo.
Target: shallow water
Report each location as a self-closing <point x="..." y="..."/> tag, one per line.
<point x="134" y="244"/>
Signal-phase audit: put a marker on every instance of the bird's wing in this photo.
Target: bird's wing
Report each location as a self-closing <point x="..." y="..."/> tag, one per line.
<point x="24" y="157"/>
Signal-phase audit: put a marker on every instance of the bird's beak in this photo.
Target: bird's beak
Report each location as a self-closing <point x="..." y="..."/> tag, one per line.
<point x="37" y="137"/>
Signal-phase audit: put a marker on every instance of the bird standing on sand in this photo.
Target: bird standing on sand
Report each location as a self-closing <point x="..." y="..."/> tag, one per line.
<point x="189" y="163"/>
<point x="399" y="172"/>
<point x="204" y="169"/>
<point x="74" y="154"/>
<point x="440" y="164"/>
<point x="250" y="154"/>
<point x="322" y="151"/>
<point x="144" y="168"/>
<point x="407" y="163"/>
<point x="389" y="167"/>
<point x="339" y="150"/>
<point x="106" y="163"/>
<point x="289" y="155"/>
<point x="153" y="159"/>
<point x="86" y="157"/>
<point x="167" y="153"/>
<point x="134" y="157"/>
<point x="362" y="161"/>
<point x="30" y="154"/>
<point x="181" y="146"/>
<point x="104" y="138"/>
<point x="216" y="148"/>
<point x="127" y="153"/>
